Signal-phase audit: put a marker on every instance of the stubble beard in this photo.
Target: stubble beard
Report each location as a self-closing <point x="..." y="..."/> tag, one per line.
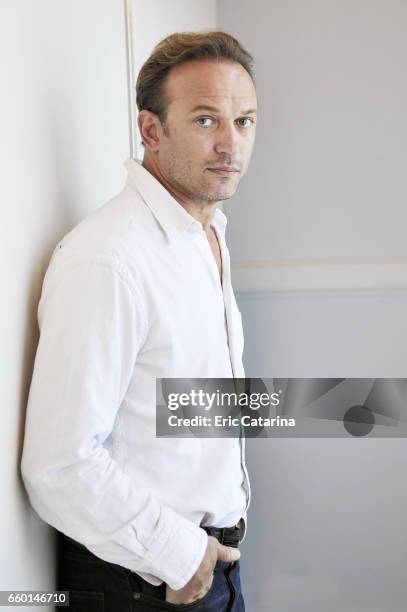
<point x="202" y="193"/>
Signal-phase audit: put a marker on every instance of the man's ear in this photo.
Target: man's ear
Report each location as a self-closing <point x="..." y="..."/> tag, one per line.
<point x="150" y="129"/>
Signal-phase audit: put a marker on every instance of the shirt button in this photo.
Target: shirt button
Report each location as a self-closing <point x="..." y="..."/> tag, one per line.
<point x="136" y="595"/>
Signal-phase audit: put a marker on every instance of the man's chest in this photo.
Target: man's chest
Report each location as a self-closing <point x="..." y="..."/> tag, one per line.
<point x="215" y="249"/>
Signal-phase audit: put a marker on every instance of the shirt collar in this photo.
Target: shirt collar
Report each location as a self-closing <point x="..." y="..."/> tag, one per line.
<point x="172" y="217"/>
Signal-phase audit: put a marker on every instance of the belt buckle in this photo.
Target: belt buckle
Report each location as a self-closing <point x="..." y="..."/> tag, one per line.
<point x="230" y="536"/>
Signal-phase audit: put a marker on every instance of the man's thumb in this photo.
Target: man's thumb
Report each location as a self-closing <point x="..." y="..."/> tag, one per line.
<point x="228" y="553"/>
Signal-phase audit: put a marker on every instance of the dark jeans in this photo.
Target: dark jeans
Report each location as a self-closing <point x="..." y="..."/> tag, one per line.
<point x="98" y="586"/>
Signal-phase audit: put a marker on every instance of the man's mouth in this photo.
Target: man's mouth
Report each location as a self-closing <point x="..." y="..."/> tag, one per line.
<point x="224" y="170"/>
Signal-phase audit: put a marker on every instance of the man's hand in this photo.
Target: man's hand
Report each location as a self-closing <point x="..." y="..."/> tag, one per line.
<point x="201" y="581"/>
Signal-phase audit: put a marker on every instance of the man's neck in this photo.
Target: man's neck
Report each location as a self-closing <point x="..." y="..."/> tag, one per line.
<point x="201" y="211"/>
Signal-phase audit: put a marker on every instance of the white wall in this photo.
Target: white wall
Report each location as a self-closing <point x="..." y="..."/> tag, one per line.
<point x="64" y="136"/>
<point x="317" y="237"/>
<point x="331" y="147"/>
<point x="327" y="519"/>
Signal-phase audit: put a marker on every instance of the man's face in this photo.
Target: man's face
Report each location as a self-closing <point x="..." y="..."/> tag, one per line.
<point x="220" y="132"/>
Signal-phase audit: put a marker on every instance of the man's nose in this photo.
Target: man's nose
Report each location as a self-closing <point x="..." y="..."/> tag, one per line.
<point x="226" y="139"/>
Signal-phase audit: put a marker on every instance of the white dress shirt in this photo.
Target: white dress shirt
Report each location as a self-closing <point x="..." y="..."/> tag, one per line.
<point x="131" y="294"/>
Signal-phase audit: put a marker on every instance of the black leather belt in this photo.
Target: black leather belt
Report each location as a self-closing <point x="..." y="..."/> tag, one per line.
<point x="228" y="536"/>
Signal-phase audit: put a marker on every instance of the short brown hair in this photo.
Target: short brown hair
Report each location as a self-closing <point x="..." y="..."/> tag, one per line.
<point x="176" y="49"/>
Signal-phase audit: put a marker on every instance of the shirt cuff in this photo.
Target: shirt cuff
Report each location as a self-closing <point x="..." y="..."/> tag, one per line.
<point x="177" y="549"/>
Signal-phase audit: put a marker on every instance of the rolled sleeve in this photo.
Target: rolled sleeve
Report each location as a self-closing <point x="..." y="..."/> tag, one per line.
<point x="91" y="329"/>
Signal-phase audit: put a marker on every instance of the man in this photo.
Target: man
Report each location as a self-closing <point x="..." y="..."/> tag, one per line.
<point x="140" y="290"/>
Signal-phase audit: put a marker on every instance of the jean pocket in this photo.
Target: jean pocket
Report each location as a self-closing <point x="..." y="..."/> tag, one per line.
<point x="149" y="602"/>
<point x="85" y="601"/>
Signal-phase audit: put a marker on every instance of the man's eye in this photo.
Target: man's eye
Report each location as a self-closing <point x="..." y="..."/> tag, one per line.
<point x="204" y="119"/>
<point x="248" y="119"/>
